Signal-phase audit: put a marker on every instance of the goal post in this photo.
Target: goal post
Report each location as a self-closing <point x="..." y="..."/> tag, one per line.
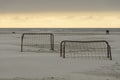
<point x="37" y="41"/>
<point x="99" y="48"/>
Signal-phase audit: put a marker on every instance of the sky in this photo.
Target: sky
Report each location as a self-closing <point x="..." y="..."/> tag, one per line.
<point x="60" y="13"/>
<point x="58" y="5"/>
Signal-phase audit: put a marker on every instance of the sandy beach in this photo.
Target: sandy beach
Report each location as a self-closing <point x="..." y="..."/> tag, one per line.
<point x="17" y="65"/>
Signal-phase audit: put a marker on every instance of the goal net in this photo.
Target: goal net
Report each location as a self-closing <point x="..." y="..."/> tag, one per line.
<point x="37" y="42"/>
<point x="90" y="49"/>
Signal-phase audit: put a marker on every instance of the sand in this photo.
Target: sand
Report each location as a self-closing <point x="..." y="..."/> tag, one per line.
<point x="16" y="65"/>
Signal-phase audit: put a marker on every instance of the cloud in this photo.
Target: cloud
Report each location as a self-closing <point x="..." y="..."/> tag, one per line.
<point x="58" y="5"/>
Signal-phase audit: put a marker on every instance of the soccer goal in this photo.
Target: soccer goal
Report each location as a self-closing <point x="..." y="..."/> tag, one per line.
<point x="37" y="42"/>
<point x="91" y="49"/>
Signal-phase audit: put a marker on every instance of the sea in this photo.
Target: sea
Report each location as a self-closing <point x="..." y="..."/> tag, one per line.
<point x="58" y="30"/>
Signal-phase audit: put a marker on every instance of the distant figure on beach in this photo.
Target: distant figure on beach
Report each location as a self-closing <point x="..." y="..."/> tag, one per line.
<point x="107" y="31"/>
<point x="13" y="32"/>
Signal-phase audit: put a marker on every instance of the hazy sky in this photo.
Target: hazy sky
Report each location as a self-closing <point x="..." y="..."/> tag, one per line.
<point x="58" y="5"/>
<point x="60" y="13"/>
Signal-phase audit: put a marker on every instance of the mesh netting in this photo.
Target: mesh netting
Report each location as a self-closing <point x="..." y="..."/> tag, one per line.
<point x="37" y="42"/>
<point x="95" y="49"/>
